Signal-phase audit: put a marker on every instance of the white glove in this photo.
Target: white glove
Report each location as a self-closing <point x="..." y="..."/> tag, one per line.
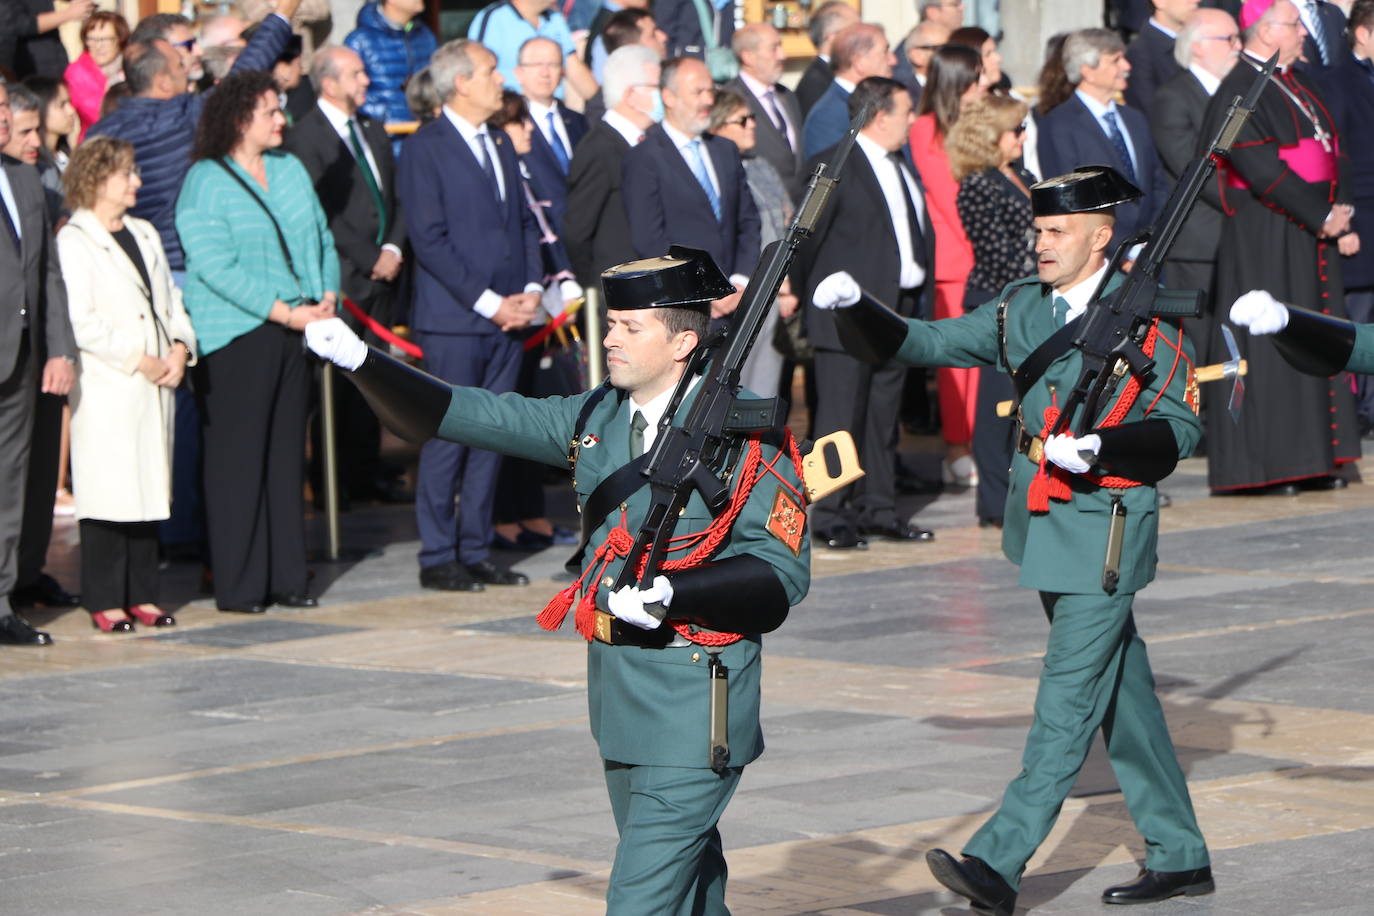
<point x="570" y="289"/>
<point x="1260" y="312"/>
<point x="1063" y="450"/>
<point x="628" y="603"/>
<point x="836" y="291"/>
<point x="335" y="341"/>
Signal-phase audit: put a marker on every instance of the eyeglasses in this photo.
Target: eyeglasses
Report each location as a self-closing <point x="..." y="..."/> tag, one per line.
<point x="1018" y="130"/>
<point x="133" y="171"/>
<point x="186" y="45"/>
<point x="102" y="40"/>
<point x="742" y="120"/>
<point x="1229" y="39"/>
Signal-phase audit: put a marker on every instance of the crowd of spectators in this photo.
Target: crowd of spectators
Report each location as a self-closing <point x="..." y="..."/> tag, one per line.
<point x="182" y="198"/>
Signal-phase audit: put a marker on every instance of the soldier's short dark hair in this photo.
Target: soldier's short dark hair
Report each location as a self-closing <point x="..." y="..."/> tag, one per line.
<point x="678" y="320"/>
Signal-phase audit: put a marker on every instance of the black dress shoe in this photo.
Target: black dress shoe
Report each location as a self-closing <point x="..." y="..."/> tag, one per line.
<point x="973" y="878"/>
<point x="449" y="577"/>
<point x="15" y="631"/>
<point x="1153" y="886"/>
<point x="45" y="592"/>
<point x="293" y="600"/>
<point x="245" y="609"/>
<point x="489" y="573"/>
<point x="842" y="539"/>
<point x="897" y="531"/>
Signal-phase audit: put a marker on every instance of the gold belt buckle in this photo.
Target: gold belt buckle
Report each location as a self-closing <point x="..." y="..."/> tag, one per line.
<point x="1036" y="450"/>
<point x="602" y="630"/>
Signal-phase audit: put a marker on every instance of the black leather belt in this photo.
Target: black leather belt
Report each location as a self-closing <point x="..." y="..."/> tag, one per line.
<point x="615" y="632"/>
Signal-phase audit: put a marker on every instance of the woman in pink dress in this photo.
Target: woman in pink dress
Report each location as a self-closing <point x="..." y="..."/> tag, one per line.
<point x="954" y="79"/>
<point x="100" y="65"/>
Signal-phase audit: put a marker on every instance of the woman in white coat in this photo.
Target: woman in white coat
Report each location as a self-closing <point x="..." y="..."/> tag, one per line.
<point x="136" y="341"/>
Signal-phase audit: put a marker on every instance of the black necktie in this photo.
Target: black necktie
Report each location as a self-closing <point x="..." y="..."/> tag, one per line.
<point x="488" y="166"/>
<point x="10" y="229"/>
<point x="918" y="239"/>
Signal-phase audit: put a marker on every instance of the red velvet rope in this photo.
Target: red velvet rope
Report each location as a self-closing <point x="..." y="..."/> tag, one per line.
<point x="382" y="331"/>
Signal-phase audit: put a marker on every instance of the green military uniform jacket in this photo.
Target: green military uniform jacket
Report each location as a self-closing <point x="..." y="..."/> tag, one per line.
<point x="1362" y="356"/>
<point x="647" y="706"/>
<point x="1062" y="550"/>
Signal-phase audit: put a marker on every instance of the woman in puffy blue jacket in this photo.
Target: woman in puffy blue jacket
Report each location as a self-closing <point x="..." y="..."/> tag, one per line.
<point x="394" y="43"/>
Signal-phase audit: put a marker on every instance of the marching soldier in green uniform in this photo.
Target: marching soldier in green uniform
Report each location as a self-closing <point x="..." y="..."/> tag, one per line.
<point x="672" y="755"/>
<point x="1071" y="501"/>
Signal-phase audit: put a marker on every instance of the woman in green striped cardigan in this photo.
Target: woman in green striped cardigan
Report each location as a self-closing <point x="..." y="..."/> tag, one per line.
<point x="260" y="266"/>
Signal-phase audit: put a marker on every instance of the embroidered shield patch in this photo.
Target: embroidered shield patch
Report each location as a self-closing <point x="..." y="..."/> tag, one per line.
<point x="787" y="521"/>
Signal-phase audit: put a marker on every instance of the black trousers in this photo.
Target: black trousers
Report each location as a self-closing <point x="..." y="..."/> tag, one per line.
<point x="16" y="424"/>
<point x="40" y="485"/>
<point x="118" y="564"/>
<point x="253" y="395"/>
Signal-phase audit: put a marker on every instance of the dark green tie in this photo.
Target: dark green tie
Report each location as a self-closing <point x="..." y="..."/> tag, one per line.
<point x="371" y="179"/>
<point x="1061" y="311"/>
<point x="637" y="426"/>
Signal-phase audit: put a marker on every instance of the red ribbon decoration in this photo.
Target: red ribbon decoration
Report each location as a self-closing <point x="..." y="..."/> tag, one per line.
<point x="385" y="333"/>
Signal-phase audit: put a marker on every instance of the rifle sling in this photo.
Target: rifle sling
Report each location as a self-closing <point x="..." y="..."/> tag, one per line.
<point x="1029" y="372"/>
<point x="609" y="494"/>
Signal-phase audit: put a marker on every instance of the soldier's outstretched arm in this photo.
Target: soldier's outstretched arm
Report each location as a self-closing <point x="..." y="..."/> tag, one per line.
<point x="1311" y="342"/>
<point x="418" y="407"/>
<point x="869" y="330"/>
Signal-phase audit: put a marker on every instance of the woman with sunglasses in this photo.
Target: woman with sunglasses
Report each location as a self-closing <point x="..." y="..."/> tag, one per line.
<point x="994" y="204"/>
<point x="732" y="119"/>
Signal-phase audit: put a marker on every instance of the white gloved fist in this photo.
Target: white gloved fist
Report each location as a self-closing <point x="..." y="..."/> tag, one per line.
<point x="335" y="341"/>
<point x="570" y="290"/>
<point x="628" y="603"/>
<point x="836" y="291"/>
<point x="1065" y="451"/>
<point x="1260" y="312"/>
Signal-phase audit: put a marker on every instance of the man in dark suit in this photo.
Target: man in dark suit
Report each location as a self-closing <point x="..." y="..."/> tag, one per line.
<point x="683" y="186"/>
<point x="877" y="229"/>
<point x="826" y="22"/>
<point x="916" y="52"/>
<point x="944" y="16"/>
<point x="858" y="52"/>
<point x="37" y="353"/>
<point x="596" y="231"/>
<point x="625" y="27"/>
<point x="682" y="22"/>
<point x="1349" y="88"/>
<point x="1151" y="51"/>
<point x="778" y="135"/>
<point x="1091" y="129"/>
<point x="348" y="156"/>
<point x="476" y="280"/>
<point x="558" y="129"/>
<point x="1323" y="48"/>
<point x="1210" y="46"/>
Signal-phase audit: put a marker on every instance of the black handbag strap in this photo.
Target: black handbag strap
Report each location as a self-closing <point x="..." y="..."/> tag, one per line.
<point x="281" y="238"/>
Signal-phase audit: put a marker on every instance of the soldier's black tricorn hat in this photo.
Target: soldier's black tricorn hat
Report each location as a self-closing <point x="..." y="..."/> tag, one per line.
<point x="683" y="278"/>
<point x="1084" y="190"/>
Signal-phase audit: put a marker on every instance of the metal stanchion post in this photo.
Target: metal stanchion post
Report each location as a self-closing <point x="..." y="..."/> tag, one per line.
<point x="596" y="369"/>
<point x="331" y="459"/>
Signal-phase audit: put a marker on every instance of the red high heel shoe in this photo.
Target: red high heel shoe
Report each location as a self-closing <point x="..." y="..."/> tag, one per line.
<point x="107" y="622"/>
<point x="150" y="615"/>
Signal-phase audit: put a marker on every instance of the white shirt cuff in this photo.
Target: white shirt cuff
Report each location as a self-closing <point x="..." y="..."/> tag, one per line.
<point x="1134" y="253"/>
<point x="394" y="250"/>
<point x="739" y="280"/>
<point x="487" y="304"/>
<point x="534" y="288"/>
<point x="282" y="18"/>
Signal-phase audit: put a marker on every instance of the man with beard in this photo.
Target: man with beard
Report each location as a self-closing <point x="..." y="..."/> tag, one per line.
<point x="1287" y="222"/>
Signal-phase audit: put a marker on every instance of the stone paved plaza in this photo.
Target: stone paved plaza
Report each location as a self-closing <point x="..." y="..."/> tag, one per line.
<point x="404" y="752"/>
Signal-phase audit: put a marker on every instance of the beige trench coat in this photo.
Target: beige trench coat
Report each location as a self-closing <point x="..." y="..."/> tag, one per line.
<point x="121" y="422"/>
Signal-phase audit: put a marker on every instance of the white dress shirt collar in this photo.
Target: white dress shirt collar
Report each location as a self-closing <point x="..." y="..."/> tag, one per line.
<point x="1155" y="22"/>
<point x="472" y="135"/>
<point x="1077" y="296"/>
<point x="1209" y="81"/>
<point x="653" y="411"/>
<point x="622" y="125"/>
<point x="912" y="274"/>
<point x="845" y="84"/>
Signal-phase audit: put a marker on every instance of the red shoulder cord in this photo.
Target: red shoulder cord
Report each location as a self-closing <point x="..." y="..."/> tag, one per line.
<point x="700" y="548"/>
<point x="1051" y="481"/>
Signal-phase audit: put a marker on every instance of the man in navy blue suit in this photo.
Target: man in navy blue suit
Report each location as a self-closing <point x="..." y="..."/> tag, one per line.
<point x="858" y="52"/>
<point x="1348" y="88"/>
<point x="476" y="281"/>
<point x="683" y="186"/>
<point x="558" y="128"/>
<point x="1324" y="48"/>
<point x="1091" y="129"/>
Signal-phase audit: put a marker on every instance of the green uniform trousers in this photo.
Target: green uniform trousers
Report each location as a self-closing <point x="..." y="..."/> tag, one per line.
<point x="1096" y="673"/>
<point x="669" y="861"/>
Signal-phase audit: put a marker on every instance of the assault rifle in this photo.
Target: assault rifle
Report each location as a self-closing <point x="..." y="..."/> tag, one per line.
<point x="1112" y="329"/>
<point x="697" y="456"/>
